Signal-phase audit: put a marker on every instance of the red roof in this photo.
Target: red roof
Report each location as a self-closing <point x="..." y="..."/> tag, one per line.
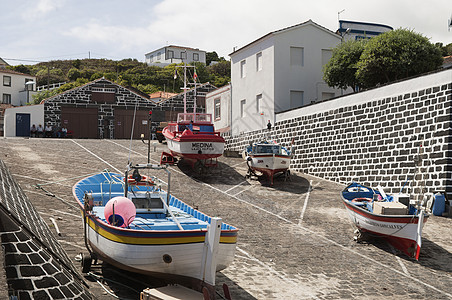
<point x="14" y="72"/>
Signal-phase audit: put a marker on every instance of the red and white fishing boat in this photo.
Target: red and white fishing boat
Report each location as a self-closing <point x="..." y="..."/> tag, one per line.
<point x="193" y="138"/>
<point x="374" y="212"/>
<point x="268" y="158"/>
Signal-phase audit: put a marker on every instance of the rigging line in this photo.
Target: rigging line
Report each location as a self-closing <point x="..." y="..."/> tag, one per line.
<point x="131" y="135"/>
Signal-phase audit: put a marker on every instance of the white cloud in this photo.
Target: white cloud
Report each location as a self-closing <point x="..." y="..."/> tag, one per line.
<point x="45" y="6"/>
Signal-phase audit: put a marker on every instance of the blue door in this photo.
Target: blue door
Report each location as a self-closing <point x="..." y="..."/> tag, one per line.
<point x="22" y="124"/>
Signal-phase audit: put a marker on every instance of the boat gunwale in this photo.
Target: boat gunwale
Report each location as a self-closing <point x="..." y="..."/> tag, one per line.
<point x="97" y="219"/>
<point x="379" y="217"/>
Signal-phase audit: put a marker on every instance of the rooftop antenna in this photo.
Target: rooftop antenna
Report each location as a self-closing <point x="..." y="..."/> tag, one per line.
<point x="339" y="13"/>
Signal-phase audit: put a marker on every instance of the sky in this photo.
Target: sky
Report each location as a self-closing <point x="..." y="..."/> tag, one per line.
<point x="44" y="30"/>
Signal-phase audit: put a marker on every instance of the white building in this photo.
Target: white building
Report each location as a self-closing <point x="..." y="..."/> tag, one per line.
<point x="174" y="54"/>
<point x="352" y="30"/>
<point x="18" y="120"/>
<point x="16" y="88"/>
<point x="218" y="104"/>
<point x="280" y="71"/>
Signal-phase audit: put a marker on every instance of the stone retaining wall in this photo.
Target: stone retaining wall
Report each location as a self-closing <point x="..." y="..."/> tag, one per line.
<point x="373" y="137"/>
<point x="35" y="263"/>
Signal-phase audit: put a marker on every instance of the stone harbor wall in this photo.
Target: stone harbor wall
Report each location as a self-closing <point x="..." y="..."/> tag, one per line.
<point x="35" y="265"/>
<point x="380" y="136"/>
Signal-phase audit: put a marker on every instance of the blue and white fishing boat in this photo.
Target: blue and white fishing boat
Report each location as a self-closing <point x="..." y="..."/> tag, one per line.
<point x="393" y="217"/>
<point x="132" y="223"/>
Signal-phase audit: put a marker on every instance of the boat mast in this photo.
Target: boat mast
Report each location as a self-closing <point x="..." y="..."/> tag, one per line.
<point x="185" y="88"/>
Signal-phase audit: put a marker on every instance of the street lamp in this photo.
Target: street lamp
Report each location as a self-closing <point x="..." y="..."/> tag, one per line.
<point x="347" y="31"/>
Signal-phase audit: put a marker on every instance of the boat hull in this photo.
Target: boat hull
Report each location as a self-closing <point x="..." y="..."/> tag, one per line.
<point x="164" y="258"/>
<point x="399" y="230"/>
<point x="269" y="164"/>
<point x="153" y="243"/>
<point x="194" y="146"/>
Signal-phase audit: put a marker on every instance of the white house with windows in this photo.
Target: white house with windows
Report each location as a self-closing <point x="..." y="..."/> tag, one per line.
<point x="218" y="104"/>
<point x="174" y="54"/>
<point x="279" y="71"/>
<point x="16" y="88"/>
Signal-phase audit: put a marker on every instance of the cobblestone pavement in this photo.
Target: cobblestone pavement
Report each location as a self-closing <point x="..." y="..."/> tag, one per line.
<point x="295" y="239"/>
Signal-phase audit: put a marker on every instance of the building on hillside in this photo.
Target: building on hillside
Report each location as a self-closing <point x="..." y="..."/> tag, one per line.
<point x="98" y="109"/>
<point x="352" y="30"/>
<point x="218" y="103"/>
<point x="101" y="109"/>
<point x="16" y="88"/>
<point x="279" y="71"/>
<point x="174" y="55"/>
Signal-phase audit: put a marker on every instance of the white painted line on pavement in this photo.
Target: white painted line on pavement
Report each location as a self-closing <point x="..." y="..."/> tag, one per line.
<point x="305" y="204"/>
<point x="113" y="167"/>
<point x="402" y="265"/>
<point x="235" y="186"/>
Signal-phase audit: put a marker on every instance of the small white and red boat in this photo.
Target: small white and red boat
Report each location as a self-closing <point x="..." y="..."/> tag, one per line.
<point x="193" y="138"/>
<point x="268" y="158"/>
<point x="375" y="213"/>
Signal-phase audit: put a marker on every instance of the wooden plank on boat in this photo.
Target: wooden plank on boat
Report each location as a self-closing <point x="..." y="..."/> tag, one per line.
<point x="170" y="292"/>
<point x="390" y="208"/>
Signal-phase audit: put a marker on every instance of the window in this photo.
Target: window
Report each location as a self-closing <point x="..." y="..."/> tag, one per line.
<point x="242" y="108"/>
<point x="6" y="80"/>
<point x="151" y="58"/>
<point x="243" y="69"/>
<point x="217" y="112"/>
<point x="259" y="61"/>
<point x="259" y="103"/>
<point x="159" y="55"/>
<point x="170" y="54"/>
<point x="195" y="57"/>
<point x="296" y="56"/>
<point x="183" y="55"/>
<point x="7" y="98"/>
<point x="296" y="99"/>
<point x="326" y="56"/>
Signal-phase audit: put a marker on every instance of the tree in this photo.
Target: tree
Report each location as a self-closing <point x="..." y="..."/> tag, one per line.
<point x="340" y="71"/>
<point x="211" y="56"/>
<point x="73" y="74"/>
<point x="395" y="55"/>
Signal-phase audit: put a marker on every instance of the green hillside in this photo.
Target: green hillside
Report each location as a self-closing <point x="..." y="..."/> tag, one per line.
<point x="126" y="72"/>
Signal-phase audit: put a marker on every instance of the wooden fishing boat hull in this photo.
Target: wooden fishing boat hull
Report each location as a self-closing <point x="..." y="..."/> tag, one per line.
<point x="401" y="231"/>
<point x="159" y="254"/>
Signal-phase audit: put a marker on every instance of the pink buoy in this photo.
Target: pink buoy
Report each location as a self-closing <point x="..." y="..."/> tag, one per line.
<point x="124" y="211"/>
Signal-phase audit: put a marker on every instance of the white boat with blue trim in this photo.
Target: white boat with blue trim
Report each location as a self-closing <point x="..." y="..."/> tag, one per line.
<point x="132" y="223"/>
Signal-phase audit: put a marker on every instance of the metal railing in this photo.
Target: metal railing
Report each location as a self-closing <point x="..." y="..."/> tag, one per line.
<point x="50" y="86"/>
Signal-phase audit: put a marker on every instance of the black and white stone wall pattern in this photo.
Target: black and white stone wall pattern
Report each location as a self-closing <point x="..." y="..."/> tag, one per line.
<point x="36" y="265"/>
<point x="373" y="142"/>
<point x="125" y="99"/>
